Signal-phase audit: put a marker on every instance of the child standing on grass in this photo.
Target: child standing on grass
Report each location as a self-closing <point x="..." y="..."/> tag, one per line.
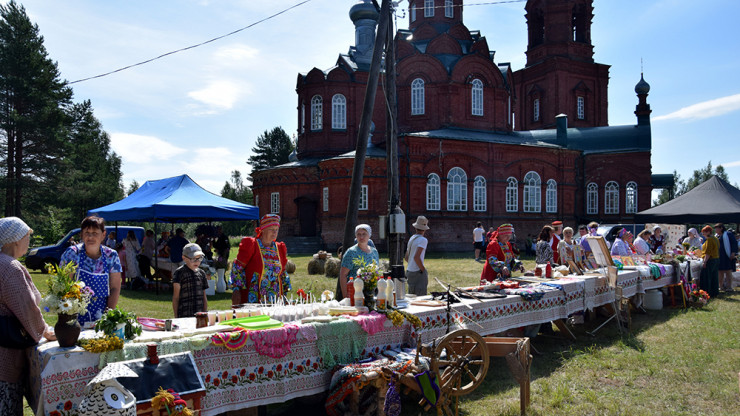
<point x="189" y="284"/>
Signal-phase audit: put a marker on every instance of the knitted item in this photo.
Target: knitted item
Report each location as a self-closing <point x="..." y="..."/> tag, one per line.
<point x="231" y="341"/>
<point x="12" y="229"/>
<point x="372" y="323"/>
<point x="340" y="341"/>
<point x="392" y="406"/>
<point x="275" y="342"/>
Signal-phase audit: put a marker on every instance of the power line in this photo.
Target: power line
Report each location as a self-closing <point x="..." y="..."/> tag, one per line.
<point x="193" y="46"/>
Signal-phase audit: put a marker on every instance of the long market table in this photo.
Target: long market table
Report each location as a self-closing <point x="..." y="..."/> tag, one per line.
<point x="244" y="378"/>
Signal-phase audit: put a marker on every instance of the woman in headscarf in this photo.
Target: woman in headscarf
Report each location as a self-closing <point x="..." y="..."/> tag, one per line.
<point x="657" y="240"/>
<point x="362" y="252"/>
<point x="500" y="257"/>
<point x="258" y="272"/>
<point x="19" y="298"/>
<point x="621" y="245"/>
<point x="693" y="240"/>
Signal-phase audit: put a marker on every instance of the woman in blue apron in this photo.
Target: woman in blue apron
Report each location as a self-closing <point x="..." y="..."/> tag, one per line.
<point x="98" y="266"/>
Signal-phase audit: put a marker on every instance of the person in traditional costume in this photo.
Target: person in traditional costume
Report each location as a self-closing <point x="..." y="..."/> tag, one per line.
<point x="258" y="272"/>
<point x="500" y="256"/>
<point x="557" y="228"/>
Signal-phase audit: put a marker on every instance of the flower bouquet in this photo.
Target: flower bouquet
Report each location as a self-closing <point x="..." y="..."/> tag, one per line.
<point x="119" y="323"/>
<point x="66" y="295"/>
<point x="698" y="298"/>
<point x="369" y="273"/>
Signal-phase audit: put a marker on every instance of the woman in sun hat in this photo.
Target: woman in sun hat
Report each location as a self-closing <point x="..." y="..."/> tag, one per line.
<point x="19" y="298"/>
<point x="258" y="272"/>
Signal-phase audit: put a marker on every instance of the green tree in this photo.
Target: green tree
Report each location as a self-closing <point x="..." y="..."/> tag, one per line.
<point x="700" y="176"/>
<point x="91" y="176"/>
<point x="273" y="148"/>
<point x="133" y="187"/>
<point x="235" y="190"/>
<point x="32" y="116"/>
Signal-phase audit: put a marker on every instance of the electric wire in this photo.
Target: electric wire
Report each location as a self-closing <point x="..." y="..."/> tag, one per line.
<point x="193" y="46"/>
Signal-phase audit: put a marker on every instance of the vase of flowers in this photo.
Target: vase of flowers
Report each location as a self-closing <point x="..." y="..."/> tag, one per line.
<point x="369" y="273"/>
<point x="698" y="298"/>
<point x="67" y="297"/>
<point x="119" y="323"/>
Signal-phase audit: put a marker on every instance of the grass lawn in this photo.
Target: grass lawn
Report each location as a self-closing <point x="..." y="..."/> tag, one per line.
<point x="674" y="362"/>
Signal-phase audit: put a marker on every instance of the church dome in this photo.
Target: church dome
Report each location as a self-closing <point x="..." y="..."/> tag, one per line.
<point x="364" y="9"/>
<point x="642" y="87"/>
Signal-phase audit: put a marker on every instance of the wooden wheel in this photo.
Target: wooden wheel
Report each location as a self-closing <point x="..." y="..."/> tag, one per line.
<point x="461" y="361"/>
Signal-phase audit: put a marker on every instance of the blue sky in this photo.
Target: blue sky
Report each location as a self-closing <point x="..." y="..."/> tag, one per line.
<point x="200" y="111"/>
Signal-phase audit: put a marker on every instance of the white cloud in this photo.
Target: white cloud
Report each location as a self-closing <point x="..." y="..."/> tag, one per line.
<point x="731" y="164"/>
<point x="220" y="94"/>
<point x="706" y="109"/>
<point x="140" y="149"/>
<point x="236" y="53"/>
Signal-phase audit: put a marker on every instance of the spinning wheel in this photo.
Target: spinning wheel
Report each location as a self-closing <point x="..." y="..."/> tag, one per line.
<point x="461" y="360"/>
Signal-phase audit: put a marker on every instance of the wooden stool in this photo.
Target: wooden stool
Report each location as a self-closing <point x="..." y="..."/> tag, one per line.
<point x="673" y="298"/>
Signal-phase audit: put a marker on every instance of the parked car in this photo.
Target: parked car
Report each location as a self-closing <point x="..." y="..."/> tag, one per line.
<point x="609" y="231"/>
<point x="38" y="257"/>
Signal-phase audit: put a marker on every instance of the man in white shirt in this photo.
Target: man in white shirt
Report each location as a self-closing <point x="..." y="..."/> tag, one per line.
<point x="416" y="272"/>
<point x="478" y="233"/>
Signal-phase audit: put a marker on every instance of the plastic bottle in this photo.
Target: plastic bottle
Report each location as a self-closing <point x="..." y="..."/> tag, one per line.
<point x="351" y="291"/>
<point x="381" y="293"/>
<point x="390" y="299"/>
<point x="359" y="298"/>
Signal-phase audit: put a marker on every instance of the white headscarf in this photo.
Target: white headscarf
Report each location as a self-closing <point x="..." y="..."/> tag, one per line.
<point x="366" y="228"/>
<point x="12" y="229"/>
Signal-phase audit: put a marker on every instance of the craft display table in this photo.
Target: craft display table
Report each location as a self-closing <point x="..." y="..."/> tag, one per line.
<point x="243" y="378"/>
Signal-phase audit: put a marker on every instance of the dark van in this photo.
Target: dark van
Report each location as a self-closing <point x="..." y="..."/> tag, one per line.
<point x="38" y="257"/>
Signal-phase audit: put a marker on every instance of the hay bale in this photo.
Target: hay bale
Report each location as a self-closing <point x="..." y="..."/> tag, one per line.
<point x="316" y="266"/>
<point x="332" y="267"/>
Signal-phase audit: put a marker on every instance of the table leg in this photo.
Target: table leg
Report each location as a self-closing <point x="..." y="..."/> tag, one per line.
<point x="564" y="328"/>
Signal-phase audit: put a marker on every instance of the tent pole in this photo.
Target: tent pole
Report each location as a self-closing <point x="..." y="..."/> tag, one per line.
<point x="156" y="255"/>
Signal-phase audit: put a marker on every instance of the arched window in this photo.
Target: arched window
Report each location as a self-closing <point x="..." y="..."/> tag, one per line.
<point x="611" y="198"/>
<point x="477" y="97"/>
<point x="338" y="112"/>
<point x="433" y="196"/>
<point x="580" y="108"/>
<point x="303" y="116"/>
<point x="417" y="96"/>
<point x="536" y="110"/>
<point x="428" y="8"/>
<point x="317" y="116"/>
<point x="551" y="196"/>
<point x="512" y="195"/>
<point x="413" y="13"/>
<point x="449" y="11"/>
<point x="479" y="194"/>
<point x="457" y="190"/>
<point x="532" y="192"/>
<point x="631" y="200"/>
<point x="592" y="198"/>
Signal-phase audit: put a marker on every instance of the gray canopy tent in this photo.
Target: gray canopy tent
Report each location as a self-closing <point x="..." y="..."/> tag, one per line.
<point x="712" y="201"/>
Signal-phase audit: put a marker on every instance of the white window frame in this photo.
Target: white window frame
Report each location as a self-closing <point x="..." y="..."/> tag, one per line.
<point x="413" y="13"/>
<point x="536" y="110"/>
<point x="317" y="116"/>
<point x="449" y="10"/>
<point x="476" y="97"/>
<point x="630" y="204"/>
<point x="428" y="8"/>
<point x="417" y="97"/>
<point x="551" y="196"/>
<point x="363" y="198"/>
<point x="611" y="198"/>
<point x="532" y="192"/>
<point x="512" y="194"/>
<point x="580" y="108"/>
<point x="457" y="190"/>
<point x="303" y="116"/>
<point x="325" y="198"/>
<point x="275" y="203"/>
<point x="338" y="112"/>
<point x="479" y="194"/>
<point x="592" y="198"/>
<point x="433" y="193"/>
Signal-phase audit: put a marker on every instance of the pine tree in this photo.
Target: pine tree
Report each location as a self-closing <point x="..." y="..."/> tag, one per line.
<point x="273" y="148"/>
<point x="32" y="117"/>
<point x="236" y="191"/>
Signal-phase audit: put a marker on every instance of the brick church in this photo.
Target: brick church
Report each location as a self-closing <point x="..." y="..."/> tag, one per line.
<point x="478" y="140"/>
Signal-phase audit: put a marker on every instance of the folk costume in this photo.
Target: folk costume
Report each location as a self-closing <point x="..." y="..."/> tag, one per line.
<point x="499" y="255"/>
<point x="258" y="272"/>
<point x="555" y="241"/>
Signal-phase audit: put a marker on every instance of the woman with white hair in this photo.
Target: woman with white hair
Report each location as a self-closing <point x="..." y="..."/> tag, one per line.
<point x="693" y="240"/>
<point x="19" y="300"/>
<point x="362" y="252"/>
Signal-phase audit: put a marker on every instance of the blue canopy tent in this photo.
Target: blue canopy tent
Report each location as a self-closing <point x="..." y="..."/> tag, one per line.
<point x="176" y="199"/>
<point x="171" y="200"/>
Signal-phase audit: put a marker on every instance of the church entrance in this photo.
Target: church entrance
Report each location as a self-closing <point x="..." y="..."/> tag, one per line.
<point x="306" y="216"/>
